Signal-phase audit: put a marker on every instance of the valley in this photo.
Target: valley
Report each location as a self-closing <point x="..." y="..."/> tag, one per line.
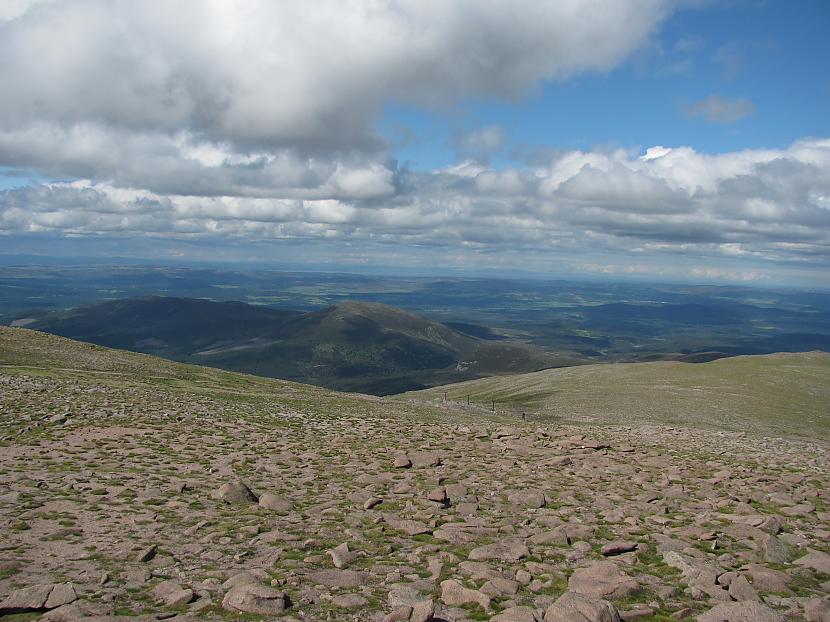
<point x="598" y="321"/>
<point x="363" y="347"/>
<point x="389" y="334"/>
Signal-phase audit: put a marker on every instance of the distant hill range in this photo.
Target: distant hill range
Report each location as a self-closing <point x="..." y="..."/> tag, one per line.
<point x="353" y="346"/>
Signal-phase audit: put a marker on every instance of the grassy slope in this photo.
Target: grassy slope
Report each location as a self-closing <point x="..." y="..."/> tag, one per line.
<point x="784" y="394"/>
<point x="40" y="354"/>
<point x="365" y="347"/>
<point x="781" y="394"/>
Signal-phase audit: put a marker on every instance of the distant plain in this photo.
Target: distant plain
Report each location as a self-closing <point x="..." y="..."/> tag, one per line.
<point x="458" y="328"/>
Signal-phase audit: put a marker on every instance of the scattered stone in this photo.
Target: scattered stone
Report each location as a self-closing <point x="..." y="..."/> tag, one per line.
<point x="270" y="501"/>
<point x="338" y="578"/>
<point x="404" y="594"/>
<point x="774" y="550"/>
<point x="740" y="612"/>
<point x="341" y="556"/>
<point x="425" y="459"/>
<point x="77" y="610"/>
<point x="817" y="560"/>
<point x="258" y="599"/>
<point x="817" y="610"/>
<point x="146" y="555"/>
<point x="767" y="579"/>
<point x="401" y="614"/>
<point x="618" y="547"/>
<point x="129" y="466"/>
<point x="453" y="593"/>
<point x="741" y="590"/>
<point x="603" y="580"/>
<point x="348" y="601"/>
<point x="235" y="492"/>
<point x="517" y="614"/>
<point x="505" y="551"/>
<point x="638" y="612"/>
<point x="38" y="598"/>
<point x="172" y="594"/>
<point x="771" y="525"/>
<point x="575" y="607"/>
<point x="799" y="510"/>
<point x="527" y="498"/>
<point x="454" y="491"/>
<point x="420" y="611"/>
<point x="371" y="502"/>
<point x="409" y="527"/>
<point x="245" y="578"/>
<point x="500" y="586"/>
<point x="438" y="495"/>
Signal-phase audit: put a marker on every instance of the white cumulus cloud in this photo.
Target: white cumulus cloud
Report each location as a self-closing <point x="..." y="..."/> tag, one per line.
<point x="256" y="120"/>
<point x="760" y="204"/>
<point x="201" y="96"/>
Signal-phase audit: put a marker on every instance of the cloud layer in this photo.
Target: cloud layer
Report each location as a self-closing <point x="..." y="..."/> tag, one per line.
<point x="260" y="98"/>
<point x="763" y="204"/>
<point x="256" y="121"/>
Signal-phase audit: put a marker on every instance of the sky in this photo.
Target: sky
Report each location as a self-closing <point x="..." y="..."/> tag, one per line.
<point x="671" y="140"/>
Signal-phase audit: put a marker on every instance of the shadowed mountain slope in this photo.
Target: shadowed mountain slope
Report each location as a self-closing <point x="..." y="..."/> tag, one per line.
<point x="356" y="346"/>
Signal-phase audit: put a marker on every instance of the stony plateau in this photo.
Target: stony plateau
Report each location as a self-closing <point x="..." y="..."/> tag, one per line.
<point x="133" y="488"/>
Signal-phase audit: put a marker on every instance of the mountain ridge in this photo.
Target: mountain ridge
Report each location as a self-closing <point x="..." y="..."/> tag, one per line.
<point x="359" y="346"/>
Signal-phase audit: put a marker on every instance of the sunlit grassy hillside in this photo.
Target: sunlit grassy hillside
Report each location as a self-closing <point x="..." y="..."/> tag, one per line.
<point x="787" y="394"/>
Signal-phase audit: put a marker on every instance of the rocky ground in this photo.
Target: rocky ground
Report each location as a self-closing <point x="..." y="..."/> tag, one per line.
<point x="149" y="489"/>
